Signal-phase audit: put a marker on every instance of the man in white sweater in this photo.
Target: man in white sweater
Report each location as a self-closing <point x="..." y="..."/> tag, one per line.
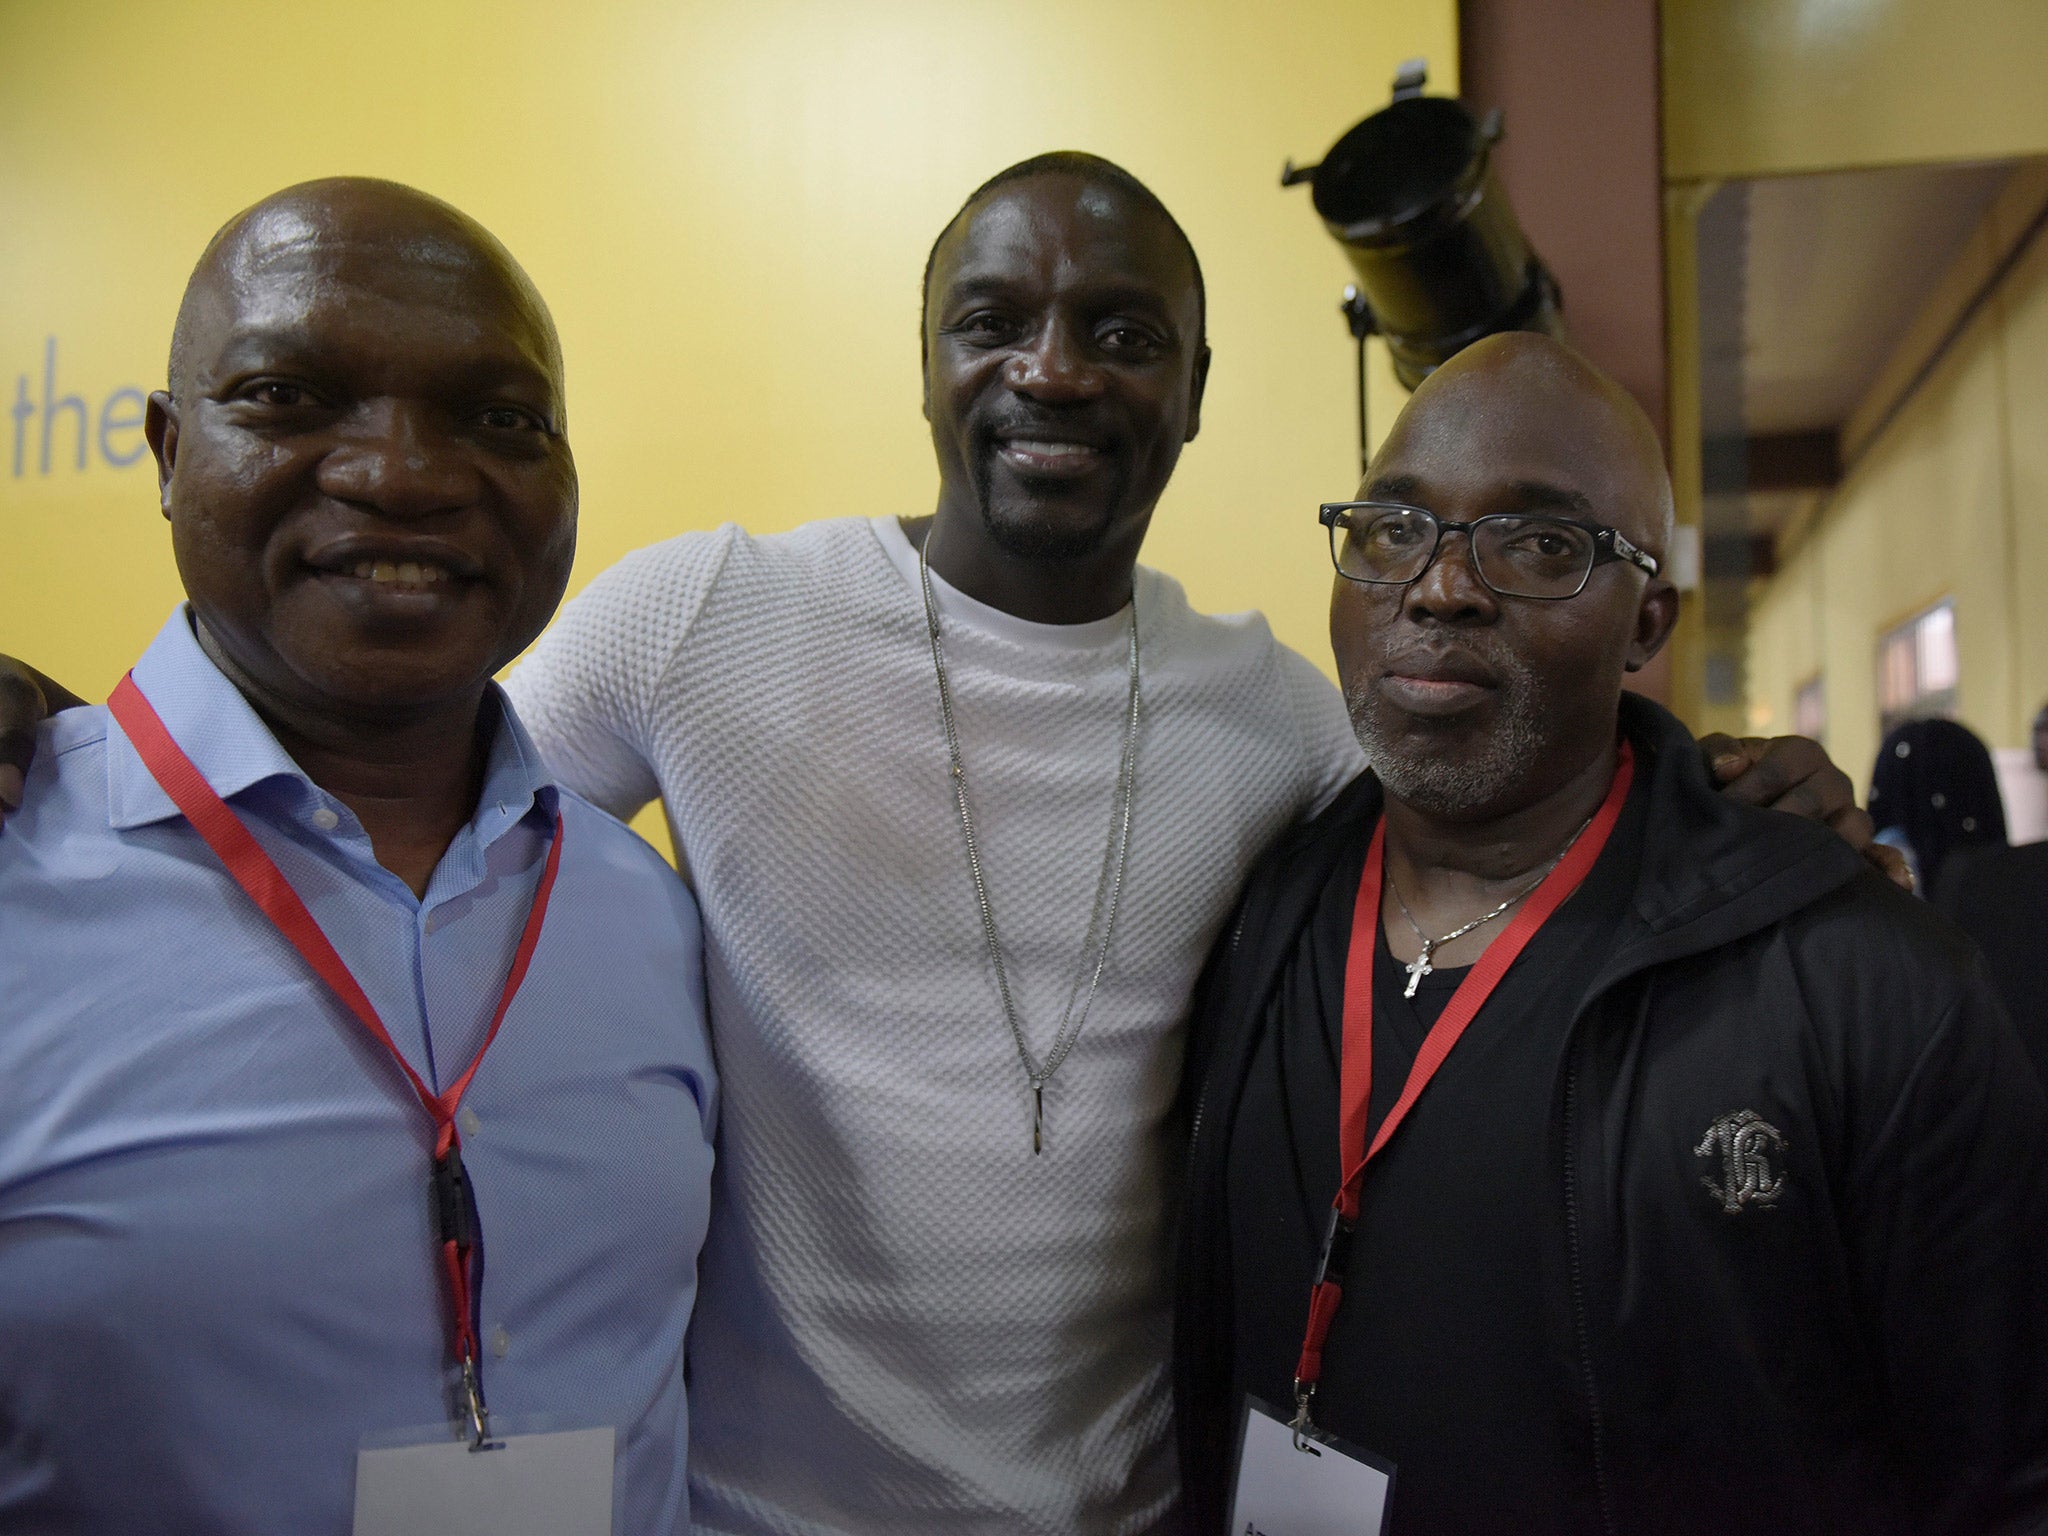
<point x="923" y="1307"/>
<point x="962" y="837"/>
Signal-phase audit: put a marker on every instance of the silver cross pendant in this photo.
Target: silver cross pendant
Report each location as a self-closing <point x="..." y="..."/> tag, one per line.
<point x="1418" y="968"/>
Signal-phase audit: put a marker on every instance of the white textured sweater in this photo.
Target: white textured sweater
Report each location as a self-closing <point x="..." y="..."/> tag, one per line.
<point x="906" y="1322"/>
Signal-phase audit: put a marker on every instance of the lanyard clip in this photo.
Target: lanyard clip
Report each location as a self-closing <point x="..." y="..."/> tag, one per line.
<point x="1323" y="1301"/>
<point x="1303" y="1425"/>
<point x="474" y="1409"/>
<point x="455" y="1220"/>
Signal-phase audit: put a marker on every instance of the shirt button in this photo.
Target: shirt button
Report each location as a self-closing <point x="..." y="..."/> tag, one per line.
<point x="468" y="1121"/>
<point x="325" y="819"/>
<point x="501" y="1342"/>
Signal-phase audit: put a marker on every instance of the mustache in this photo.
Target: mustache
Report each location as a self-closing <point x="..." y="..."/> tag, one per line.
<point x="1073" y="426"/>
<point x="1477" y="658"/>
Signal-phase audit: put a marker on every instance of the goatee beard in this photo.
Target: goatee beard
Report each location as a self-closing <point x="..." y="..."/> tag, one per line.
<point x="1462" y="779"/>
<point x="1028" y="538"/>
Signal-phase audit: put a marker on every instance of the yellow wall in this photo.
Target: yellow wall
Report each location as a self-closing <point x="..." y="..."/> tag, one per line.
<point x="1949" y="500"/>
<point x="1763" y="87"/>
<point x="727" y="202"/>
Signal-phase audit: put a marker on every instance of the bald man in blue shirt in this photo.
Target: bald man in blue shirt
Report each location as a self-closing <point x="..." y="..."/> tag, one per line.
<point x="266" y="913"/>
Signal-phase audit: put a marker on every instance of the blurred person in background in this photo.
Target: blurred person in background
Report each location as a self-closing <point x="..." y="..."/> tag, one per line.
<point x="1934" y="796"/>
<point x="1999" y="897"/>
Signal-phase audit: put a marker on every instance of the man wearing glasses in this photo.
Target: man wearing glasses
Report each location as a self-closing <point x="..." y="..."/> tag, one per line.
<point x="1601" y="1154"/>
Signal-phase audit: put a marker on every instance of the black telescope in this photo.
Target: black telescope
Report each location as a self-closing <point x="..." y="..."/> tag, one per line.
<point x="1411" y="196"/>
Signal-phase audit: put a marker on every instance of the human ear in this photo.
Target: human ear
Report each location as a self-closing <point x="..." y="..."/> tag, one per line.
<point x="1196" y="386"/>
<point x="1656" y="615"/>
<point x="924" y="362"/>
<point x="160" y="427"/>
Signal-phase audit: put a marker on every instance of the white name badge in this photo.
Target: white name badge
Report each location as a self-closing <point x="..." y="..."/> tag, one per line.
<point x="524" y="1485"/>
<point x="1318" y="1487"/>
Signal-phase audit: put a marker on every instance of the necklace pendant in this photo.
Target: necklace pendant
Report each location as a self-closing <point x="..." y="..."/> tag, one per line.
<point x="1418" y="968"/>
<point x="1109" y="885"/>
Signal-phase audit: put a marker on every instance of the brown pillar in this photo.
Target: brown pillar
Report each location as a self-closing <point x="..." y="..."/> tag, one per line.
<point x="1583" y="165"/>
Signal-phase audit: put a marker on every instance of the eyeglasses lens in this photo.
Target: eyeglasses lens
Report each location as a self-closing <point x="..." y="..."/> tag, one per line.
<point x="1385" y="544"/>
<point x="1533" y="556"/>
<point x="1517" y="556"/>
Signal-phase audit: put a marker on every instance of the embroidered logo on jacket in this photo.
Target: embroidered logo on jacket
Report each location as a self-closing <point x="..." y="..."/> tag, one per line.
<point x="1752" y="1152"/>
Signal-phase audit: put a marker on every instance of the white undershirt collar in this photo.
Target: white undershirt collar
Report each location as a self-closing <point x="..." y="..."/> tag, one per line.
<point x="972" y="613"/>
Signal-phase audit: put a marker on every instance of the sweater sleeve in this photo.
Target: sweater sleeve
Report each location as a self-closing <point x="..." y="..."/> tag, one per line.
<point x="592" y="688"/>
<point x="1953" y="1247"/>
<point x="1330" y="755"/>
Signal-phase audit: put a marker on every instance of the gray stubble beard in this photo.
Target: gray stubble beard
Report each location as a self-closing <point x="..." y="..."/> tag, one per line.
<point x="1457" y="785"/>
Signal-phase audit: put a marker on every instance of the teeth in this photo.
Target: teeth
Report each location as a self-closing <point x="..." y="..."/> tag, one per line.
<point x="1049" y="450"/>
<point x="410" y="573"/>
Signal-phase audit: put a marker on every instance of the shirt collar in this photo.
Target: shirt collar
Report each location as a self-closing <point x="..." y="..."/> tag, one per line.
<point x="517" y="783"/>
<point x="234" y="750"/>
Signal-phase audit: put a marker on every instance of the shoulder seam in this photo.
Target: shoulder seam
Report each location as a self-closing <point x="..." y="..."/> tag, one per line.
<point x="659" y="686"/>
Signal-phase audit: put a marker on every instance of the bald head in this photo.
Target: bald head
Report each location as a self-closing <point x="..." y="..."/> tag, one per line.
<point x="318" y="225"/>
<point x="1528" y="386"/>
<point x="1524" y="385"/>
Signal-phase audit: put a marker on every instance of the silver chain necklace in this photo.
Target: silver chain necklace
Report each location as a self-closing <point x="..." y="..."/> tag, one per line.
<point x="1110" y="884"/>
<point x="1420" y="966"/>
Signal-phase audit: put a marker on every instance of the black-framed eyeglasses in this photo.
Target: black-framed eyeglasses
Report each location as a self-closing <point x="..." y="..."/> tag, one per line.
<point x="1517" y="554"/>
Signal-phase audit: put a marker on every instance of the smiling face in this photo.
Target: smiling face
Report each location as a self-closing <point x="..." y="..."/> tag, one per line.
<point x="1471" y="705"/>
<point x="1063" y="367"/>
<point x="371" y="498"/>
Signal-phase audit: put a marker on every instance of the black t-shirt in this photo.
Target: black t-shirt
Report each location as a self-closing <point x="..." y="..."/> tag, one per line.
<point x="1452" y="1353"/>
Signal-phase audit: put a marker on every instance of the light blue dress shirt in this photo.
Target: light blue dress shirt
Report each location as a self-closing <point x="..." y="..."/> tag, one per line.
<point x="217" y="1273"/>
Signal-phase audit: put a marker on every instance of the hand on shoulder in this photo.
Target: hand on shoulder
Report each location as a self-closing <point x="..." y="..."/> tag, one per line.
<point x="1796" y="775"/>
<point x="27" y="699"/>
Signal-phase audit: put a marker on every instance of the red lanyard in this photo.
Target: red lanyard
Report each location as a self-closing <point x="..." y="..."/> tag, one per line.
<point x="257" y="873"/>
<point x="1465" y="1003"/>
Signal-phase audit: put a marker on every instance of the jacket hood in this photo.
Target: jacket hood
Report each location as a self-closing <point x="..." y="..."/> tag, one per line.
<point x="1714" y="869"/>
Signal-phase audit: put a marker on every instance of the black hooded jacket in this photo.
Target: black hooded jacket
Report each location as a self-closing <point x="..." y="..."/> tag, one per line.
<point x="1871" y="1358"/>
